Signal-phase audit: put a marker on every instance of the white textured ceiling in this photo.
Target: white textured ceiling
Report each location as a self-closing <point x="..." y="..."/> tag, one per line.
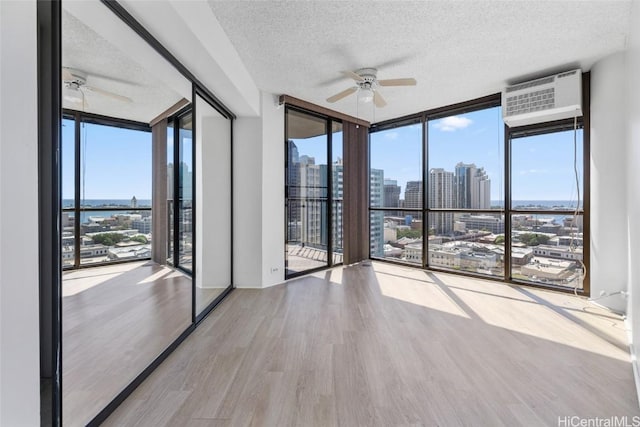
<point x="98" y="43"/>
<point x="457" y="50"/>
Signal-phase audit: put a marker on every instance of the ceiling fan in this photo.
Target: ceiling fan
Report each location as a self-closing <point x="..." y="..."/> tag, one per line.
<point x="75" y="86"/>
<point x="368" y="83"/>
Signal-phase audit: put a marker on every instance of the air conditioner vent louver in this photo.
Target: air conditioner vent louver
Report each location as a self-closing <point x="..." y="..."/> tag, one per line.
<point x="527" y="85"/>
<point x="531" y="101"/>
<point x="549" y="98"/>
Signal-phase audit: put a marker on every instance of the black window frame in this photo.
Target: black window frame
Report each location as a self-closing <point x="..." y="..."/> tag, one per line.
<point x="506" y="211"/>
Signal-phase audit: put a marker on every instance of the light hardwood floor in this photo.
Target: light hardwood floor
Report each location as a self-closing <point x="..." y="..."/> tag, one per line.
<point x="384" y="345"/>
<point x="116" y="320"/>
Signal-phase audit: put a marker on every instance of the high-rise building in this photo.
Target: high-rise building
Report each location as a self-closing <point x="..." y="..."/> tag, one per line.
<point x="413" y="195"/>
<point x="293" y="188"/>
<point x="307" y="186"/>
<point x="186" y="181"/>
<point x="441" y="196"/>
<point x="472" y="187"/>
<point x="391" y="193"/>
<point x="312" y="196"/>
<point x="143" y="225"/>
<point x="376" y="218"/>
<point x="337" y="197"/>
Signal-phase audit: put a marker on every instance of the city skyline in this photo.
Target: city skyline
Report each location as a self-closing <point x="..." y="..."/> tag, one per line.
<point x="542" y="166"/>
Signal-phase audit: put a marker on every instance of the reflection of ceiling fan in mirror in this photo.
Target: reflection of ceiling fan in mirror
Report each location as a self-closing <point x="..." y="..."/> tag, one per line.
<point x="74" y="88"/>
<point x="367" y="84"/>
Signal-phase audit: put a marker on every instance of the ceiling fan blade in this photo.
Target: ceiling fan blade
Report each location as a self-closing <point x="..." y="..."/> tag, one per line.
<point x="353" y="75"/>
<point x="107" y="93"/>
<point x="77" y="102"/>
<point x="378" y="100"/>
<point x="66" y="75"/>
<point x="343" y="94"/>
<point x="398" y="82"/>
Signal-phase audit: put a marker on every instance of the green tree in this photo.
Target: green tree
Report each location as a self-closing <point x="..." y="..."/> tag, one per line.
<point x="408" y="233"/>
<point x="499" y="240"/>
<point x="139" y="238"/>
<point x="533" y="239"/>
<point x="108" y="239"/>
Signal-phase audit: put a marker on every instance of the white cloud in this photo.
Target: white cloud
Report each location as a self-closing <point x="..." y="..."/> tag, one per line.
<point x="452" y="123"/>
<point x="533" y="171"/>
<point x="391" y="135"/>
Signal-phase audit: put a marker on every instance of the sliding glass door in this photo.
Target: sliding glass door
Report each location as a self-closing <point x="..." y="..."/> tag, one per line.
<point x="313" y="192"/>
<point x="183" y="172"/>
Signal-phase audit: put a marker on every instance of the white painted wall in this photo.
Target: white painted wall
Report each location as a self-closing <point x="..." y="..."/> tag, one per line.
<point x="247" y="202"/>
<point x="273" y="211"/>
<point x="632" y="88"/>
<point x="213" y="197"/>
<point x="608" y="181"/>
<point x="258" y="170"/>
<point x="19" y="342"/>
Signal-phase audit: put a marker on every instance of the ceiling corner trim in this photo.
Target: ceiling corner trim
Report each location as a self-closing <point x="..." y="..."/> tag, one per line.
<point x="177" y="29"/>
<point x="210" y="36"/>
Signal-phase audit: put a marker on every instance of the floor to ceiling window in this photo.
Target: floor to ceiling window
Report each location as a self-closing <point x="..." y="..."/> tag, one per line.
<point x="465" y="190"/>
<point x="313" y="192"/>
<point x="182" y="175"/>
<point x="396" y="193"/>
<point x="449" y="183"/>
<point x="337" y="190"/>
<point x="106" y="191"/>
<point x="547" y="205"/>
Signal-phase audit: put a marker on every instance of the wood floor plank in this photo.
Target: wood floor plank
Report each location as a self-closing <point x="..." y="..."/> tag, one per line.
<point x="116" y="320"/>
<point x="389" y="346"/>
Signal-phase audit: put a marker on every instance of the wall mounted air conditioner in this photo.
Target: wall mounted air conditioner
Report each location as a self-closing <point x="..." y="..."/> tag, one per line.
<point x="542" y="100"/>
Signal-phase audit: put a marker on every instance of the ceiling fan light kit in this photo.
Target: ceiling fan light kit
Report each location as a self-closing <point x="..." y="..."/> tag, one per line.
<point x="75" y="84"/>
<point x="367" y="86"/>
<point x="365" y="95"/>
<point x="72" y="93"/>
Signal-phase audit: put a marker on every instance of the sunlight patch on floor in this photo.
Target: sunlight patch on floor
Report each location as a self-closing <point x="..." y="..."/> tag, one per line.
<point x="156" y="276"/>
<point x="542" y="314"/>
<point x="76" y="281"/>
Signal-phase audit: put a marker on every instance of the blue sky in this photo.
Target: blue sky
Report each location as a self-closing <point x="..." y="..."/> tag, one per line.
<point x="542" y="166"/>
<point x="118" y="162"/>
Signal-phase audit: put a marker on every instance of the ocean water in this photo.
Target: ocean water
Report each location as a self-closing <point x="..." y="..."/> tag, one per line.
<point x="111" y="203"/>
<point x="105" y="203"/>
<point x="564" y="204"/>
<point x="544" y="204"/>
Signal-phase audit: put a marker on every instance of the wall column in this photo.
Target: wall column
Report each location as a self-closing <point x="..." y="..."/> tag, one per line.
<point x="608" y="260"/>
<point x="159" y="230"/>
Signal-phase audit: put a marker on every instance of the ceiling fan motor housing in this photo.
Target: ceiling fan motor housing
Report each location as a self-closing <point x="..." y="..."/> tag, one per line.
<point x="369" y="78"/>
<point x="75" y="78"/>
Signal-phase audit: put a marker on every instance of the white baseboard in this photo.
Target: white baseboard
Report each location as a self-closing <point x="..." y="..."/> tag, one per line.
<point x="634" y="360"/>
